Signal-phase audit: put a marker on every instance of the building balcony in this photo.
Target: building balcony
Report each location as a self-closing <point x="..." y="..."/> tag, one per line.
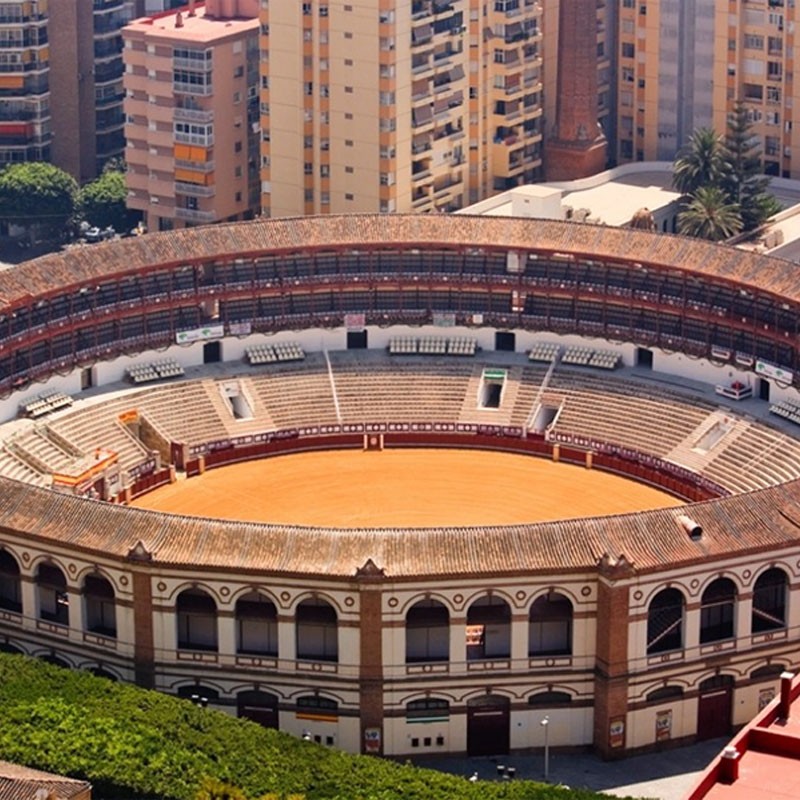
<point x="194" y="139"/>
<point x="195" y="215"/>
<point x="197" y="166"/>
<point x="193" y="115"/>
<point x="197" y="89"/>
<point x="194" y="189"/>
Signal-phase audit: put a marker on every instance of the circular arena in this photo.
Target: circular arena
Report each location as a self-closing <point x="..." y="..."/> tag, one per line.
<point x="149" y="365"/>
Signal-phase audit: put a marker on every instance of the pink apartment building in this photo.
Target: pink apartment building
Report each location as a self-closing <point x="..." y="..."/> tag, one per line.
<point x="192" y="114"/>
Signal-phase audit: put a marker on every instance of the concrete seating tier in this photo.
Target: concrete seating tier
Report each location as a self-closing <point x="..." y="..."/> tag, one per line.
<point x="787" y="409"/>
<point x="44" y="403"/>
<point x="591" y="357"/>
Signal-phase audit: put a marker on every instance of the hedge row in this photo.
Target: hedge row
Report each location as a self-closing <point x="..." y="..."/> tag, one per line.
<point x="136" y="744"/>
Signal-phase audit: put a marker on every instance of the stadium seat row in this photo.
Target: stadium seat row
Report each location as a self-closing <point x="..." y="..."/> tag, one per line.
<point x="271" y="353"/>
<point x="154" y="370"/>
<point x="44" y="403"/>
<point x="544" y="351"/>
<point x="786" y="409"/>
<point x="433" y="345"/>
<point x="589" y="357"/>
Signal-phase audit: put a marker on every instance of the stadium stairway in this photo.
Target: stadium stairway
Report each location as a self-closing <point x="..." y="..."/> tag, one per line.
<point x="471" y="414"/>
<point x="689" y="455"/>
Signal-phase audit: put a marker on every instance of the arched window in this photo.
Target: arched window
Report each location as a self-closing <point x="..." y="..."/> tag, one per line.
<point x="258" y="706"/>
<point x="256" y="625"/>
<point x="550" y="626"/>
<point x="200" y="695"/>
<point x="10" y="585"/>
<point x="428" y="709"/>
<point x="664" y="693"/>
<point x="769" y="601"/>
<point x="768" y="672"/>
<point x="53" y="659"/>
<point x="323" y="708"/>
<point x="716" y="611"/>
<point x="665" y="622"/>
<point x="317" y="631"/>
<point x="51" y="587"/>
<point x="489" y="628"/>
<point x="101" y="614"/>
<point x="197" y="620"/>
<point x="99" y="672"/>
<point x="427" y="632"/>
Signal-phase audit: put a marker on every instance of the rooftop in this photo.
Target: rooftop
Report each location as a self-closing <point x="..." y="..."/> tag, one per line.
<point x="205" y="25"/>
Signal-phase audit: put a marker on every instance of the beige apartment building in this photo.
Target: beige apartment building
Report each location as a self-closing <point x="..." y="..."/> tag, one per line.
<point x="192" y="115"/>
<point x="683" y="63"/>
<point x="385" y="106"/>
<point x="61" y="83"/>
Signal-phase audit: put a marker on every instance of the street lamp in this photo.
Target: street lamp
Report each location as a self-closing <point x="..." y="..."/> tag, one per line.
<point x="545" y="723"/>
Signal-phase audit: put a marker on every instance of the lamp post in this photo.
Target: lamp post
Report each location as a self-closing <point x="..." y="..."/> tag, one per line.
<point x="545" y="723"/>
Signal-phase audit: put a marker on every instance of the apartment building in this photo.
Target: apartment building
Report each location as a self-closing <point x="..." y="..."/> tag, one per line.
<point x="683" y="63"/>
<point x="61" y="83"/>
<point x="192" y="114"/>
<point x="384" y="106"/>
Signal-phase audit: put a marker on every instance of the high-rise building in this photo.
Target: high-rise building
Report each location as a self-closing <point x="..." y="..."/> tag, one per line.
<point x="385" y="106"/>
<point x="684" y="63"/>
<point x="61" y="83"/>
<point x="192" y="113"/>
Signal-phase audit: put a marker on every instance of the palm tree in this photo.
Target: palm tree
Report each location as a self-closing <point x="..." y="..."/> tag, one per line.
<point x="709" y="214"/>
<point x="703" y="161"/>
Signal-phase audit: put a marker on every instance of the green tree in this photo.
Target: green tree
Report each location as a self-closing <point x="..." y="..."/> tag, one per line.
<point x="745" y="182"/>
<point x="39" y="196"/>
<point x="709" y="214"/>
<point x="702" y="162"/>
<point x="102" y="202"/>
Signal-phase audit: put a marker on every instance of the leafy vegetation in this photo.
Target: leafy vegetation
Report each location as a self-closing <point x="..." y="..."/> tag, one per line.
<point x="722" y="181"/>
<point x="38" y="195"/>
<point x="136" y="744"/>
<point x="102" y="202"/>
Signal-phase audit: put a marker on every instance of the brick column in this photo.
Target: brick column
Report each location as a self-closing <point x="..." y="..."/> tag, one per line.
<point x="143" y="646"/>
<point x="370" y="678"/>
<point x="611" y="657"/>
<point x="576" y="147"/>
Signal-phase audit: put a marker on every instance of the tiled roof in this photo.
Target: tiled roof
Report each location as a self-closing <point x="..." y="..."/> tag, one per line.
<point x="766" y="520"/>
<point x="95" y="262"/>
<point x="22" y="783"/>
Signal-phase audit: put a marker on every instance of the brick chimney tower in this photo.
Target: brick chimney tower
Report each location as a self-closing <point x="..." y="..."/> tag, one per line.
<point x="575" y="145"/>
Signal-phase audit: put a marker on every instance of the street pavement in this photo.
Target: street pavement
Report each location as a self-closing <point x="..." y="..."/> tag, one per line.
<point x="666" y="775"/>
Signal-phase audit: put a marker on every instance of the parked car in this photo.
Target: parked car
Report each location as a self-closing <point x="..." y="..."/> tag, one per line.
<point x="95" y="234"/>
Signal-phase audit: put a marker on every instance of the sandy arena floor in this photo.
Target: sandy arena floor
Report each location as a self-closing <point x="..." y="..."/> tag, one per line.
<point x="403" y="488"/>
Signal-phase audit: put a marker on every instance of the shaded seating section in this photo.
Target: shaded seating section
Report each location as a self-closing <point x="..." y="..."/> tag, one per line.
<point x="197" y="620"/>
<point x="544" y="351"/>
<point x="433" y="345"/>
<point x="272" y="353"/>
<point x="427" y="632"/>
<point x="44" y="403"/>
<point x="310" y="391"/>
<point x="42" y="452"/>
<point x="787" y="409"/>
<point x="154" y="371"/>
<point x="18" y="470"/>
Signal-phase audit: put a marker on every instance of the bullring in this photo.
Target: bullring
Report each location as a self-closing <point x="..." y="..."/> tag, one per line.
<point x="629" y="632"/>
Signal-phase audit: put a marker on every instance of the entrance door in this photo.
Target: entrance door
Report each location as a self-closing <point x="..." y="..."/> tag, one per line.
<point x="714" y="708"/>
<point x="212" y="352"/>
<point x="260" y="707"/>
<point x="488" y="723"/>
<point x="763" y="389"/>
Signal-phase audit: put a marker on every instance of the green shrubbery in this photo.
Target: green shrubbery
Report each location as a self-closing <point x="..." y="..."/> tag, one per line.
<point x="132" y="744"/>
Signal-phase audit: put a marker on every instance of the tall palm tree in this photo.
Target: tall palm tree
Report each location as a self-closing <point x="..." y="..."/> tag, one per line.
<point x="703" y="161"/>
<point x="709" y="214"/>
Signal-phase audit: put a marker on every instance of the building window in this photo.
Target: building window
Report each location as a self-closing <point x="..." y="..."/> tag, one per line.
<point x="429" y="709"/>
<point x="665" y="622"/>
<point x="197" y="620"/>
<point x="550" y="626"/>
<point x="488" y="633"/>
<point x="427" y="631"/>
<point x="10" y="583"/>
<point x="317" y="629"/>
<point x="51" y="588"/>
<point x="717" y="611"/>
<point x="98" y="597"/>
<point x="769" y="601"/>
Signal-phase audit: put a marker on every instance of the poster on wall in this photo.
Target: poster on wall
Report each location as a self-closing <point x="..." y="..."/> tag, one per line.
<point x="616" y="732"/>
<point x="664" y="725"/>
<point x="372" y="740"/>
<point x="765" y="697"/>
